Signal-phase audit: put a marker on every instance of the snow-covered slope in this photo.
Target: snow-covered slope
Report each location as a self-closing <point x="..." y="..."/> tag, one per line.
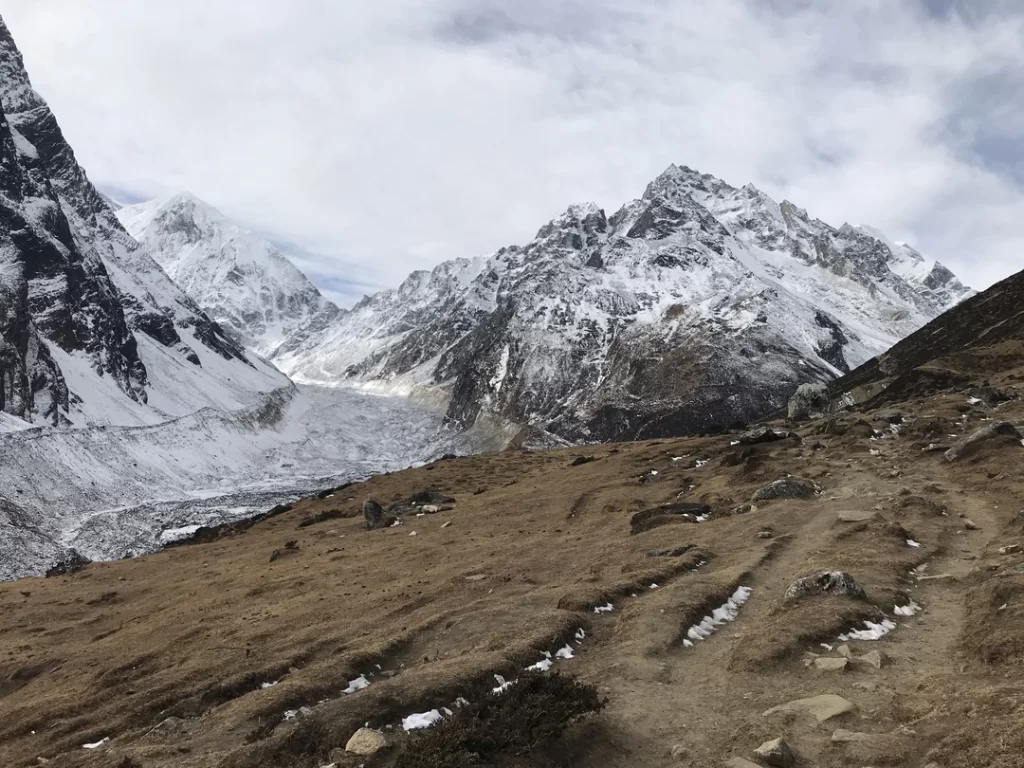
<point x="92" y="330"/>
<point x="243" y="282"/>
<point x="694" y="307"/>
<point x="112" y="492"/>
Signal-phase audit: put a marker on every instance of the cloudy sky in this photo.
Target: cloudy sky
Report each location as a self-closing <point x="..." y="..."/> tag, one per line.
<point x="374" y="138"/>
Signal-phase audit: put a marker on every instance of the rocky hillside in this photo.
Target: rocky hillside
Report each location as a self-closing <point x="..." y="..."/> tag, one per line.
<point x="693" y="308"/>
<point x="840" y="592"/>
<point x="986" y="321"/>
<point x="91" y="328"/>
<point x="242" y="281"/>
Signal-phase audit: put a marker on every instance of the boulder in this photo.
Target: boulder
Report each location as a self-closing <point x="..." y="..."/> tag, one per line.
<point x="833" y="583"/>
<point x="763" y="434"/>
<point x="1009" y="549"/>
<point x="366" y="741"/>
<point x="786" y="488"/>
<point x="831" y="665"/>
<point x="856" y="515"/>
<point x="822" y="708"/>
<point x="739" y="762"/>
<point x="811" y="401"/>
<point x="775" y="753"/>
<point x="373" y="513"/>
<point x="985" y="434"/>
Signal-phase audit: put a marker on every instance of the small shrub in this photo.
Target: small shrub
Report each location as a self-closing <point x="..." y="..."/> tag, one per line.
<point x="533" y="712"/>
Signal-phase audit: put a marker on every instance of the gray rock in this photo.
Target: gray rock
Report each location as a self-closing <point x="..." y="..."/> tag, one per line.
<point x="786" y="488"/>
<point x="831" y="665"/>
<point x="373" y="514"/>
<point x="366" y="741"/>
<point x="856" y="515"/>
<point x="811" y="401"/>
<point x="775" y="753"/>
<point x="872" y="659"/>
<point x="822" y="708"/>
<point x="763" y="434"/>
<point x="834" y="583"/>
<point x="1009" y="549"/>
<point x="991" y="432"/>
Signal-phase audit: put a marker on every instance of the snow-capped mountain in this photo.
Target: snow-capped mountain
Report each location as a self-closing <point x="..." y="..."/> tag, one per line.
<point x="91" y="328"/>
<point x="697" y="306"/>
<point x="242" y="281"/>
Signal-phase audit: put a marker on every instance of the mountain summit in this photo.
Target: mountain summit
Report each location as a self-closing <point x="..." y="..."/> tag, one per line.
<point x="246" y="284"/>
<point x="694" y="307"/>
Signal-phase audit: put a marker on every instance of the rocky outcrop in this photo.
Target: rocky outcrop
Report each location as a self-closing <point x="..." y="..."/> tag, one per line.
<point x="695" y="308"/>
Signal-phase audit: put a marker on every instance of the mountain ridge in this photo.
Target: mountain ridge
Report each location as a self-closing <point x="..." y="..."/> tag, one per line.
<point x="629" y="326"/>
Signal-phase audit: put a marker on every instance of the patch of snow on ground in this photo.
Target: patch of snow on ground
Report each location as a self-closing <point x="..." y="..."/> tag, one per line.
<point x="357" y="685"/>
<point x="606" y="608"/>
<point x="911" y="609"/>
<point x="722" y="615"/>
<point x="97" y="744"/>
<point x="421" y="720"/>
<point x="912" y="543"/>
<point x="871" y="631"/>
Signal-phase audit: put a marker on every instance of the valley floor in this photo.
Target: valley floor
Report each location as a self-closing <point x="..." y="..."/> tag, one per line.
<point x="241" y="652"/>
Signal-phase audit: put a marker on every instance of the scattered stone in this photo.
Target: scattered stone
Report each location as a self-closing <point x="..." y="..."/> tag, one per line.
<point x="581" y="460"/>
<point x="775" y="753"/>
<point x="373" y="513"/>
<point x="680" y="752"/>
<point x="811" y="401"/>
<point x="891" y="417"/>
<point x="831" y="665"/>
<point x="765" y="534"/>
<point x="674" y="552"/>
<point x="431" y="497"/>
<point x="856" y="516"/>
<point x="844" y="651"/>
<point x="991" y="432"/>
<point x="822" y="708"/>
<point x="763" y="434"/>
<point x="874" y="659"/>
<point x="366" y="741"/>
<point x="865" y="686"/>
<point x="970" y="525"/>
<point x="1009" y="549"/>
<point x="786" y="488"/>
<point x="477" y="577"/>
<point x="835" y="583"/>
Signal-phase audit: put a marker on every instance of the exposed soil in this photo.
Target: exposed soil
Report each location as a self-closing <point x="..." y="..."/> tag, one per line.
<point x="167" y="654"/>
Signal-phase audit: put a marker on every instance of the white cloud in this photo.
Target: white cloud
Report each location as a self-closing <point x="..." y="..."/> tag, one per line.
<point x="389" y="136"/>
